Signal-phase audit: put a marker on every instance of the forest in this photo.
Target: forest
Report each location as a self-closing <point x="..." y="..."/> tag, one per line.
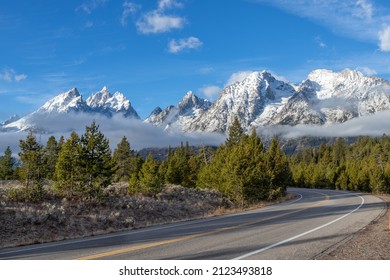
<point x="242" y="169"/>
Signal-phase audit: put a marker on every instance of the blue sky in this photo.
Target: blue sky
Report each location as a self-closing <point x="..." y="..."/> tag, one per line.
<point x="154" y="51"/>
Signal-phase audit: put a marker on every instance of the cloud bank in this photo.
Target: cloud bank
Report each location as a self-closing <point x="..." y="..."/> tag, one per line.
<point x="139" y="134"/>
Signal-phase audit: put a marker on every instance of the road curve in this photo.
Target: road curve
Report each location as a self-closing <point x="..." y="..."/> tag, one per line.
<point x="302" y="228"/>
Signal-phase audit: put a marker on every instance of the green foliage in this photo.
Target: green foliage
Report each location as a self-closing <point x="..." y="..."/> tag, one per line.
<point x="245" y="172"/>
<point x="235" y="133"/>
<point x="363" y="166"/>
<point x="277" y="166"/>
<point x="68" y="171"/>
<point x="32" y="169"/>
<point x="7" y="163"/>
<point x="148" y="182"/>
<point x="124" y="161"/>
<point x="96" y="160"/>
<point x="178" y="167"/>
<point x="50" y="157"/>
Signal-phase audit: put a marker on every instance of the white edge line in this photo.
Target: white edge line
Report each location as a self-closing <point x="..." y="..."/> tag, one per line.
<point x="131" y="232"/>
<point x="299" y="235"/>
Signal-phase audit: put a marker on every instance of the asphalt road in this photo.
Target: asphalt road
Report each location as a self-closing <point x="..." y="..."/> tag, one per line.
<point x="302" y="228"/>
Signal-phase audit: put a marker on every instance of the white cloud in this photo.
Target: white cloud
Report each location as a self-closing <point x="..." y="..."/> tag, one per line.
<point x="129" y="9"/>
<point x="358" y="19"/>
<point x="384" y="39"/>
<point x="371" y="125"/>
<point x="157" y="22"/>
<point x="366" y="71"/>
<point x="88" y="24"/>
<point x="320" y="42"/>
<point x="140" y="135"/>
<point x="206" y="70"/>
<point x="210" y="91"/>
<point x="89" y="6"/>
<point x="238" y="77"/>
<point x="167" y="4"/>
<point x="10" y="75"/>
<point x="182" y="44"/>
<point x="365" y="9"/>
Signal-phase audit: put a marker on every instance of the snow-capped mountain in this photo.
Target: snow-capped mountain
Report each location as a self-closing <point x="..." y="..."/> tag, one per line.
<point x="255" y="99"/>
<point x="11" y="119"/>
<point x="70" y="103"/>
<point x="261" y="99"/>
<point x="324" y="98"/>
<point x="189" y="108"/>
<point x="107" y="104"/>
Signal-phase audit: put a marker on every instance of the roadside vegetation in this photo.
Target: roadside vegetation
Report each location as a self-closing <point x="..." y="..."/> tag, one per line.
<point x="77" y="186"/>
<point x="83" y="167"/>
<point x="242" y="169"/>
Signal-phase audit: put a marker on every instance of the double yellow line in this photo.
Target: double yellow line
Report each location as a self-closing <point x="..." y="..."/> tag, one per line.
<point x="187" y="237"/>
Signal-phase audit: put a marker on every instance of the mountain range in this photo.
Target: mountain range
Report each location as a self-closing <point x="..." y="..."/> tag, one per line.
<point x="260" y="100"/>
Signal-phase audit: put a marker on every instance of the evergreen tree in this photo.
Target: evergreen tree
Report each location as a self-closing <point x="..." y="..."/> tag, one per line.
<point x="68" y="171"/>
<point x="149" y="180"/>
<point x="278" y="168"/>
<point x="123" y="161"/>
<point x="50" y="157"/>
<point x="96" y="160"/>
<point x="7" y="163"/>
<point x="235" y="133"/>
<point x="239" y="172"/>
<point x="31" y="170"/>
<point x="177" y="167"/>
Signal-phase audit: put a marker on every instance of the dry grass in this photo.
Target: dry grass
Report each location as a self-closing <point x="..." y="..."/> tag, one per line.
<point x="56" y="219"/>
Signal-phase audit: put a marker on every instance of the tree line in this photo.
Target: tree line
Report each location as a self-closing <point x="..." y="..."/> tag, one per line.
<point x="242" y="168"/>
<point x="363" y="166"/>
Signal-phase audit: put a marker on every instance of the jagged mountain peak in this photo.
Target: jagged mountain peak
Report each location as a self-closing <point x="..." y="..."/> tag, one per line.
<point x="101" y="102"/>
<point x="188" y="108"/>
<point x="64" y="102"/>
<point x="11" y="119"/>
<point x="156" y="111"/>
<point x="99" y="98"/>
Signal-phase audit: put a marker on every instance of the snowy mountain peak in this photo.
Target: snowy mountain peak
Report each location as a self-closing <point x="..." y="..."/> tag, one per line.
<point x="11" y="119"/>
<point x="156" y="111"/>
<point x="99" y="98"/>
<point x="188" y="108"/>
<point x="190" y="100"/>
<point x="104" y="102"/>
<point x="64" y="102"/>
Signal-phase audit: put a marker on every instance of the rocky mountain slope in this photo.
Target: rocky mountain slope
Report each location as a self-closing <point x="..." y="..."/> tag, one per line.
<point x="260" y="100"/>
<point x="188" y="109"/>
<point x="324" y="98"/>
<point x="59" y="108"/>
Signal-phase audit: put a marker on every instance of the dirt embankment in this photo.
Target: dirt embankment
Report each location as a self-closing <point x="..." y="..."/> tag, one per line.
<point x="60" y="219"/>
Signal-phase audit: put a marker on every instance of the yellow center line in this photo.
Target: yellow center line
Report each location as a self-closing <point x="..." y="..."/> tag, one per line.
<point x="187" y="237"/>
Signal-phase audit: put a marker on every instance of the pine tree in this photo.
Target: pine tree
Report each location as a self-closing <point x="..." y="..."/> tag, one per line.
<point x="7" y="163"/>
<point x="177" y="166"/>
<point x="50" y="157"/>
<point x="235" y="133"/>
<point x="96" y="160"/>
<point x="123" y="161"/>
<point x="68" y="171"/>
<point x="31" y="170"/>
<point x="278" y="168"/>
<point x="149" y="180"/>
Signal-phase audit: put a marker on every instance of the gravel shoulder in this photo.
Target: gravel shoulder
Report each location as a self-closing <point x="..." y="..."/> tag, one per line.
<point x="370" y="243"/>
